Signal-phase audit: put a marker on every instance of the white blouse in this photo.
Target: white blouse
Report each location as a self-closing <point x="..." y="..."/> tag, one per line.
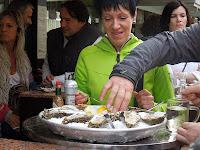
<point x="190" y="67"/>
<point x="183" y="67"/>
<point x="14" y="79"/>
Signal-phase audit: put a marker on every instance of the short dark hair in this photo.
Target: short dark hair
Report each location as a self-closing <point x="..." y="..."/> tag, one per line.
<point x="167" y="11"/>
<point x="76" y="9"/>
<point x="20" y="5"/>
<point x="101" y="5"/>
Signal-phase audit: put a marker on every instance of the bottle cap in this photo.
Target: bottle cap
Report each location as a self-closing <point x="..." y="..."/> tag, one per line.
<point x="58" y="82"/>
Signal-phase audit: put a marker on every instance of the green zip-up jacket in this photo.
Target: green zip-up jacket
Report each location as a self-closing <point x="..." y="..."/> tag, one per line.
<point x="96" y="62"/>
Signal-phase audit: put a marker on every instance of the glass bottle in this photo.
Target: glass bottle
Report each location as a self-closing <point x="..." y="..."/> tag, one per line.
<point x="57" y="99"/>
<point x="182" y="84"/>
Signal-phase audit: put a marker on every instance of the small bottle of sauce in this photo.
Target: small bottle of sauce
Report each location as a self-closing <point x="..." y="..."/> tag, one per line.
<point x="57" y="99"/>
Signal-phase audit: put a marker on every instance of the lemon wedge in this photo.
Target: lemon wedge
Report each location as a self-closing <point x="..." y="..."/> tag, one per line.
<point x="102" y="109"/>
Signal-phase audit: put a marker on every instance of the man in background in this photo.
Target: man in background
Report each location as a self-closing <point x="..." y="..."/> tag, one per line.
<point x="25" y="8"/>
<point x="65" y="43"/>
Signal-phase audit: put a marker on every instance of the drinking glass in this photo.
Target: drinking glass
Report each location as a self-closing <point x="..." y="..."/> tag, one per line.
<point x="178" y="113"/>
<point x="179" y="83"/>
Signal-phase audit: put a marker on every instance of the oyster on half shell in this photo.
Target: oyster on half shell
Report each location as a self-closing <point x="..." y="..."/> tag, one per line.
<point x="115" y="116"/>
<point x="56" y="113"/>
<point x="131" y="118"/>
<point x="78" y="118"/>
<point x="152" y="118"/>
<point x="97" y="121"/>
<point x="81" y="106"/>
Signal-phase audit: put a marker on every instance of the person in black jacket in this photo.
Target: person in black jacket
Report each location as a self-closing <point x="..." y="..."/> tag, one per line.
<point x="65" y="43"/>
<point x="25" y="8"/>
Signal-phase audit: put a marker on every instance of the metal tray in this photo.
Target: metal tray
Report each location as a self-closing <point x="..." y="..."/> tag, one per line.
<point x="102" y="135"/>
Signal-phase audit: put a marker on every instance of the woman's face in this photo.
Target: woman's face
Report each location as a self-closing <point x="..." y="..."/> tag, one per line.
<point x="178" y="19"/>
<point x="117" y="25"/>
<point x="8" y="29"/>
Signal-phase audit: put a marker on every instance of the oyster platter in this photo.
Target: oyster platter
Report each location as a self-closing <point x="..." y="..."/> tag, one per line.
<point x="95" y="123"/>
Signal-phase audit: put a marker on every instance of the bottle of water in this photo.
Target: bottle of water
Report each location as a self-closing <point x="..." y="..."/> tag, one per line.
<point x="70" y="90"/>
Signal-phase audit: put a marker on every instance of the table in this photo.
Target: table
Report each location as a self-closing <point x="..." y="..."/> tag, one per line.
<point x="36" y="130"/>
<point x="37" y="94"/>
<point x="30" y="103"/>
<point x="10" y="144"/>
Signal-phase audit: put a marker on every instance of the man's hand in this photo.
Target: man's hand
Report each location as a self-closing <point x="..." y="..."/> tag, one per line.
<point x="120" y="93"/>
<point x="192" y="93"/>
<point x="144" y="99"/>
<point x="188" y="133"/>
<point x="48" y="79"/>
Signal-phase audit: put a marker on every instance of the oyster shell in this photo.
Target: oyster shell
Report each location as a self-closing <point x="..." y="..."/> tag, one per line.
<point x="131" y="118"/>
<point x="81" y="106"/>
<point x="70" y="107"/>
<point x="78" y="118"/>
<point x="97" y="121"/>
<point x="90" y="110"/>
<point x="152" y="118"/>
<point x="115" y="116"/>
<point x="56" y="113"/>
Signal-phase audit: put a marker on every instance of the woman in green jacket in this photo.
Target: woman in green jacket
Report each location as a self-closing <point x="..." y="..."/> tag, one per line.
<point x="96" y="62"/>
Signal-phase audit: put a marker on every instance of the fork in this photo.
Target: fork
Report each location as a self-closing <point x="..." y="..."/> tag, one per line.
<point x="155" y="106"/>
<point x="146" y="110"/>
<point x="121" y="117"/>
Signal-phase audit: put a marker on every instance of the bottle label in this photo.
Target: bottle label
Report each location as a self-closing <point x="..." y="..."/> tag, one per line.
<point x="70" y="87"/>
<point x="70" y="99"/>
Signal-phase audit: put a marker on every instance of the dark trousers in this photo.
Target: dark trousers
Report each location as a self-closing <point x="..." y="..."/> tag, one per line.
<point x="9" y="133"/>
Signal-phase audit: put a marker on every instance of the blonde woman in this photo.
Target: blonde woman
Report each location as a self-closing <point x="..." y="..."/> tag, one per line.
<point x="14" y="63"/>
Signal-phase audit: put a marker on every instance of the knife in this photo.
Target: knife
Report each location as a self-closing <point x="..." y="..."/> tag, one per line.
<point x="121" y="117"/>
<point x="107" y="116"/>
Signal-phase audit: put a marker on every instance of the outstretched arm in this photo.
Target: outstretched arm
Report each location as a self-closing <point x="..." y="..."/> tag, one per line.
<point x="166" y="47"/>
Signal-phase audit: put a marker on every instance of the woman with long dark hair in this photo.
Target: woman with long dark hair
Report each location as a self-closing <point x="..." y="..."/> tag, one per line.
<point x="175" y="16"/>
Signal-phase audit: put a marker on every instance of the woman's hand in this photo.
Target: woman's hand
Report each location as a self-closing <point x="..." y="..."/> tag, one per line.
<point x="13" y="120"/>
<point x="144" y="98"/>
<point x="81" y="98"/>
<point x="188" y="133"/>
